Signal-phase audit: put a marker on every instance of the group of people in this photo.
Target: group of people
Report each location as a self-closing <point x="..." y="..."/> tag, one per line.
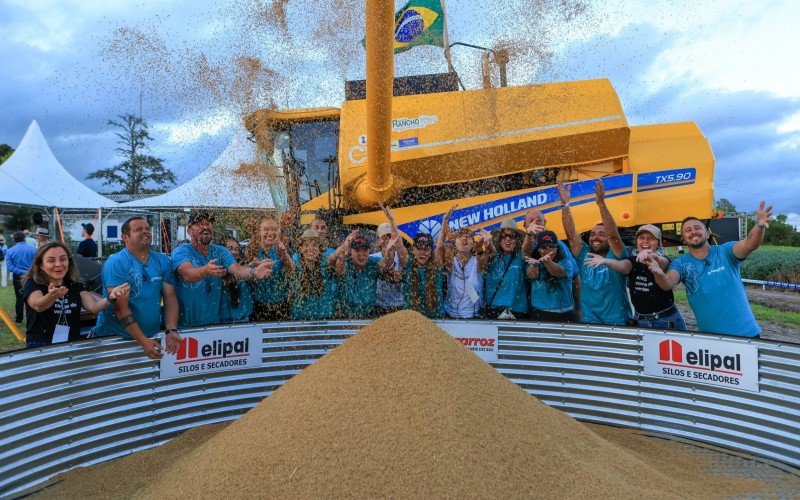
<point x="509" y="273"/>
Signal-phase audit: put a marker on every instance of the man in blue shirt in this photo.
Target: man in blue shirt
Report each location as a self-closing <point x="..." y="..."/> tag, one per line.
<point x="711" y="275"/>
<point x="604" y="294"/>
<point x="137" y="315"/>
<point x="18" y="260"/>
<point x="199" y="267"/>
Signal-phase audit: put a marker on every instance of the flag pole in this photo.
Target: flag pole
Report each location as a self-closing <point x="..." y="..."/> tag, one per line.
<point x="446" y="38"/>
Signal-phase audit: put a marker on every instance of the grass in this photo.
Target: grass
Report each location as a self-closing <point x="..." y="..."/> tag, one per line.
<point x="762" y="313"/>
<point x="8" y="342"/>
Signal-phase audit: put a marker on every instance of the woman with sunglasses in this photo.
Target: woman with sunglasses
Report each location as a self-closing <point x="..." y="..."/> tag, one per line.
<point x="505" y="289"/>
<point x="54" y="294"/>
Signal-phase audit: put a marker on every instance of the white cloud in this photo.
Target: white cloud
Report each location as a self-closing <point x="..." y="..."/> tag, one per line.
<point x="793" y="219"/>
<point x="190" y="131"/>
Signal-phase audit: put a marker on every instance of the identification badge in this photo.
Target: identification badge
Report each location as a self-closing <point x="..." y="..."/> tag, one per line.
<point x="471" y="293"/>
<point x="60" y="334"/>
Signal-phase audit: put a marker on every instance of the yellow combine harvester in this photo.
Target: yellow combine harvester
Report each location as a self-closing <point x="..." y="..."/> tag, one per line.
<point x="493" y="152"/>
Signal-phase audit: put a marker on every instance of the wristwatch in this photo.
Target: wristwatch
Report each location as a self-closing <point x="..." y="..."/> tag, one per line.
<point x="170" y="330"/>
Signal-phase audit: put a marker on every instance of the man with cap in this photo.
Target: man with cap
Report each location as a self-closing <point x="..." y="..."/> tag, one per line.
<point x="653" y="307"/>
<point x="358" y="274"/>
<point x="3" y="270"/>
<point x="389" y="288"/>
<point x="87" y="247"/>
<point x="199" y="267"/>
<point x="711" y="275"/>
<point x="137" y="315"/>
<point x="42" y="236"/>
<point x="18" y="260"/>
<point x="604" y="298"/>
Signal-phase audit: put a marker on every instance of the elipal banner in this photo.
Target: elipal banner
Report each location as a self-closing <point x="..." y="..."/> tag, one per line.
<point x="731" y="364"/>
<point x="211" y="351"/>
<point x="480" y="339"/>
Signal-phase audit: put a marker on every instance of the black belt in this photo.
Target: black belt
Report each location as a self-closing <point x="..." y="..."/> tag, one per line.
<point x="658" y="315"/>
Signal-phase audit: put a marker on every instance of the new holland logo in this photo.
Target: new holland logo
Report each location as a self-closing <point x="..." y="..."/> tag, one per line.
<point x="670" y="352"/>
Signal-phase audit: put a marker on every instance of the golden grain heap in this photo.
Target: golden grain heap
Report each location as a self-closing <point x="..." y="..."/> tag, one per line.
<point x="403" y="410"/>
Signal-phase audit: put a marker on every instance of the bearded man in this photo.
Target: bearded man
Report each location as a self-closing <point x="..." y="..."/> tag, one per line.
<point x="199" y="267"/>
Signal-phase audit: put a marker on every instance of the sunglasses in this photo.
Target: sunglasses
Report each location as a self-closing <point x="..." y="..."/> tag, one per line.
<point x="512" y="236"/>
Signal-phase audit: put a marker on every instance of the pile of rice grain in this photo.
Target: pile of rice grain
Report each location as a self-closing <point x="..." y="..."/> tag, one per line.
<point x="403" y="410"/>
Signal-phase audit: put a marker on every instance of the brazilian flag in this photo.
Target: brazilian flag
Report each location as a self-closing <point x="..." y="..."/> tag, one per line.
<point x="419" y="22"/>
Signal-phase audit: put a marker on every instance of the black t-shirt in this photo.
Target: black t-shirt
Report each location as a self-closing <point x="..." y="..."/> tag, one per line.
<point x="647" y="297"/>
<point x="42" y="325"/>
<point x="87" y="248"/>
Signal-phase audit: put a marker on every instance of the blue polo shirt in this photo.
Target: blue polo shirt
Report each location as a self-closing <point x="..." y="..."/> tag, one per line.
<point x="554" y="294"/>
<point x="146" y="281"/>
<point x="715" y="292"/>
<point x="275" y="289"/>
<point x="316" y="306"/>
<point x="19" y="258"/>
<point x="357" y="289"/>
<point x="200" y="301"/>
<point x="513" y="292"/>
<point x="604" y="295"/>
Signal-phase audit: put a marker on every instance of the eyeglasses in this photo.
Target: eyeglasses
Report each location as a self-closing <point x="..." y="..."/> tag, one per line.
<point x="512" y="236"/>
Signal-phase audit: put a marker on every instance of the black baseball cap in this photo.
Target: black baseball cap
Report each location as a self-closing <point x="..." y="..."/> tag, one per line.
<point x="423" y="240"/>
<point x="359" y="243"/>
<point x="546" y="239"/>
<point x="89" y="227"/>
<point x="195" y="217"/>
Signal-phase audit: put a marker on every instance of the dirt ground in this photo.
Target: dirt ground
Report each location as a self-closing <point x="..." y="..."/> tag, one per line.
<point x="787" y="301"/>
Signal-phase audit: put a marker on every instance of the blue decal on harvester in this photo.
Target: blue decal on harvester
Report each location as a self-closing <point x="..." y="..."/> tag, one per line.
<point x="411" y="141"/>
<point x="666" y="178"/>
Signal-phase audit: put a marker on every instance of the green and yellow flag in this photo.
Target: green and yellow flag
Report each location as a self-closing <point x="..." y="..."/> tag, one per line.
<point x="419" y="22"/>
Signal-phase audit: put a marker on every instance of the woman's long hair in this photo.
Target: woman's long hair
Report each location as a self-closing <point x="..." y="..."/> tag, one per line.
<point x="255" y="237"/>
<point x="431" y="275"/>
<point x="311" y="281"/>
<point x="37" y="273"/>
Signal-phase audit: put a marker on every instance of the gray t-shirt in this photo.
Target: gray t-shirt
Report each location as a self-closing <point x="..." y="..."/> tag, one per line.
<point x="389" y="294"/>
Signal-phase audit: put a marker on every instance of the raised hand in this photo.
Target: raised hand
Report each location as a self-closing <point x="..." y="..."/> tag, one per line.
<point x="212" y="269"/>
<point x="486" y="235"/>
<point x="594" y="260"/>
<point x="387" y="212"/>
<point x="531" y="261"/>
<point x="120" y="291"/>
<point x="645" y="255"/>
<point x="563" y="192"/>
<point x="600" y="191"/>
<point x="57" y="291"/>
<point x="763" y="215"/>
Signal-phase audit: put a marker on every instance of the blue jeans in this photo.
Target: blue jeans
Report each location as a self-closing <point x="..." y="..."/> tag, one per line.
<point x="672" y="322"/>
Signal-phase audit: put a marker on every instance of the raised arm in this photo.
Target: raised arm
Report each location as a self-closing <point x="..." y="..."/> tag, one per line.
<point x="573" y="238"/>
<point x="621" y="266"/>
<point x="743" y="248"/>
<point x="439" y="253"/>
<point x="614" y="239"/>
<point x="341" y="252"/>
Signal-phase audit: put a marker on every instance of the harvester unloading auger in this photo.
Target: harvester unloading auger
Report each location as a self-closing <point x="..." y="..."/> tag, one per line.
<point x="422" y="146"/>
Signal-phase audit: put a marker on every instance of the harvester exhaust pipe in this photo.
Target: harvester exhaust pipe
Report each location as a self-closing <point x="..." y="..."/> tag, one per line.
<point x="379" y="186"/>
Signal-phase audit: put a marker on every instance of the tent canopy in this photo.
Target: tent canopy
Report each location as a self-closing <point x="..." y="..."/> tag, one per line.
<point x="226" y="183"/>
<point x="33" y="176"/>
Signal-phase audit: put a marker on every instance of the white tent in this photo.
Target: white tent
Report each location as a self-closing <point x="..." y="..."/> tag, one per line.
<point x="226" y="183"/>
<point x="33" y="176"/>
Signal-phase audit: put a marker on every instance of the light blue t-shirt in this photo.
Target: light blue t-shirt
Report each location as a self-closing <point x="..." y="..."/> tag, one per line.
<point x="243" y="311"/>
<point x="554" y="294"/>
<point x="715" y="292"/>
<point x="146" y="281"/>
<point x="357" y="289"/>
<point x="513" y="292"/>
<point x="200" y="301"/>
<point x="410" y="268"/>
<point x="604" y="294"/>
<point x="275" y="289"/>
<point x="319" y="306"/>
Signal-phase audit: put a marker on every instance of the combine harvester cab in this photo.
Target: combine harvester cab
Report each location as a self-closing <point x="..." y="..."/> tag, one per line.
<point x="493" y="152"/>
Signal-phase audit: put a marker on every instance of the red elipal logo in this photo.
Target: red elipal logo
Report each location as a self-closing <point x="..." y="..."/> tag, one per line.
<point x="670" y="350"/>
<point x="187" y="348"/>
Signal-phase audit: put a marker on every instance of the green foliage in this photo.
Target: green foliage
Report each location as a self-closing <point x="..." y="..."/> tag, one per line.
<point x="779" y="232"/>
<point x="5" y="152"/>
<point x="725" y="205"/>
<point x="19" y="220"/>
<point x="137" y="169"/>
<point x="773" y="264"/>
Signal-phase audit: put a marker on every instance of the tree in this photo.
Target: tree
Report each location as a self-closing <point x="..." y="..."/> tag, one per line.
<point x="725" y="205"/>
<point x="19" y="219"/>
<point x="138" y="169"/>
<point x="5" y="152"/>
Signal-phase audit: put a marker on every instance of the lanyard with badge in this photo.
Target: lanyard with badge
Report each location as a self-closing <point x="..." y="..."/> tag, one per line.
<point x="61" y="332"/>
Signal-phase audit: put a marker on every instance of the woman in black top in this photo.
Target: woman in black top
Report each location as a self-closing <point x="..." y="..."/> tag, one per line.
<point x="54" y="295"/>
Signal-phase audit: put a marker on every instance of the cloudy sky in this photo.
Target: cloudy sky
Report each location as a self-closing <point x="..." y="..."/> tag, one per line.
<point x="73" y="65"/>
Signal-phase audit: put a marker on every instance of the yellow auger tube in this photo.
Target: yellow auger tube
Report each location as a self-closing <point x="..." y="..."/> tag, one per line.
<point x="378" y="185"/>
